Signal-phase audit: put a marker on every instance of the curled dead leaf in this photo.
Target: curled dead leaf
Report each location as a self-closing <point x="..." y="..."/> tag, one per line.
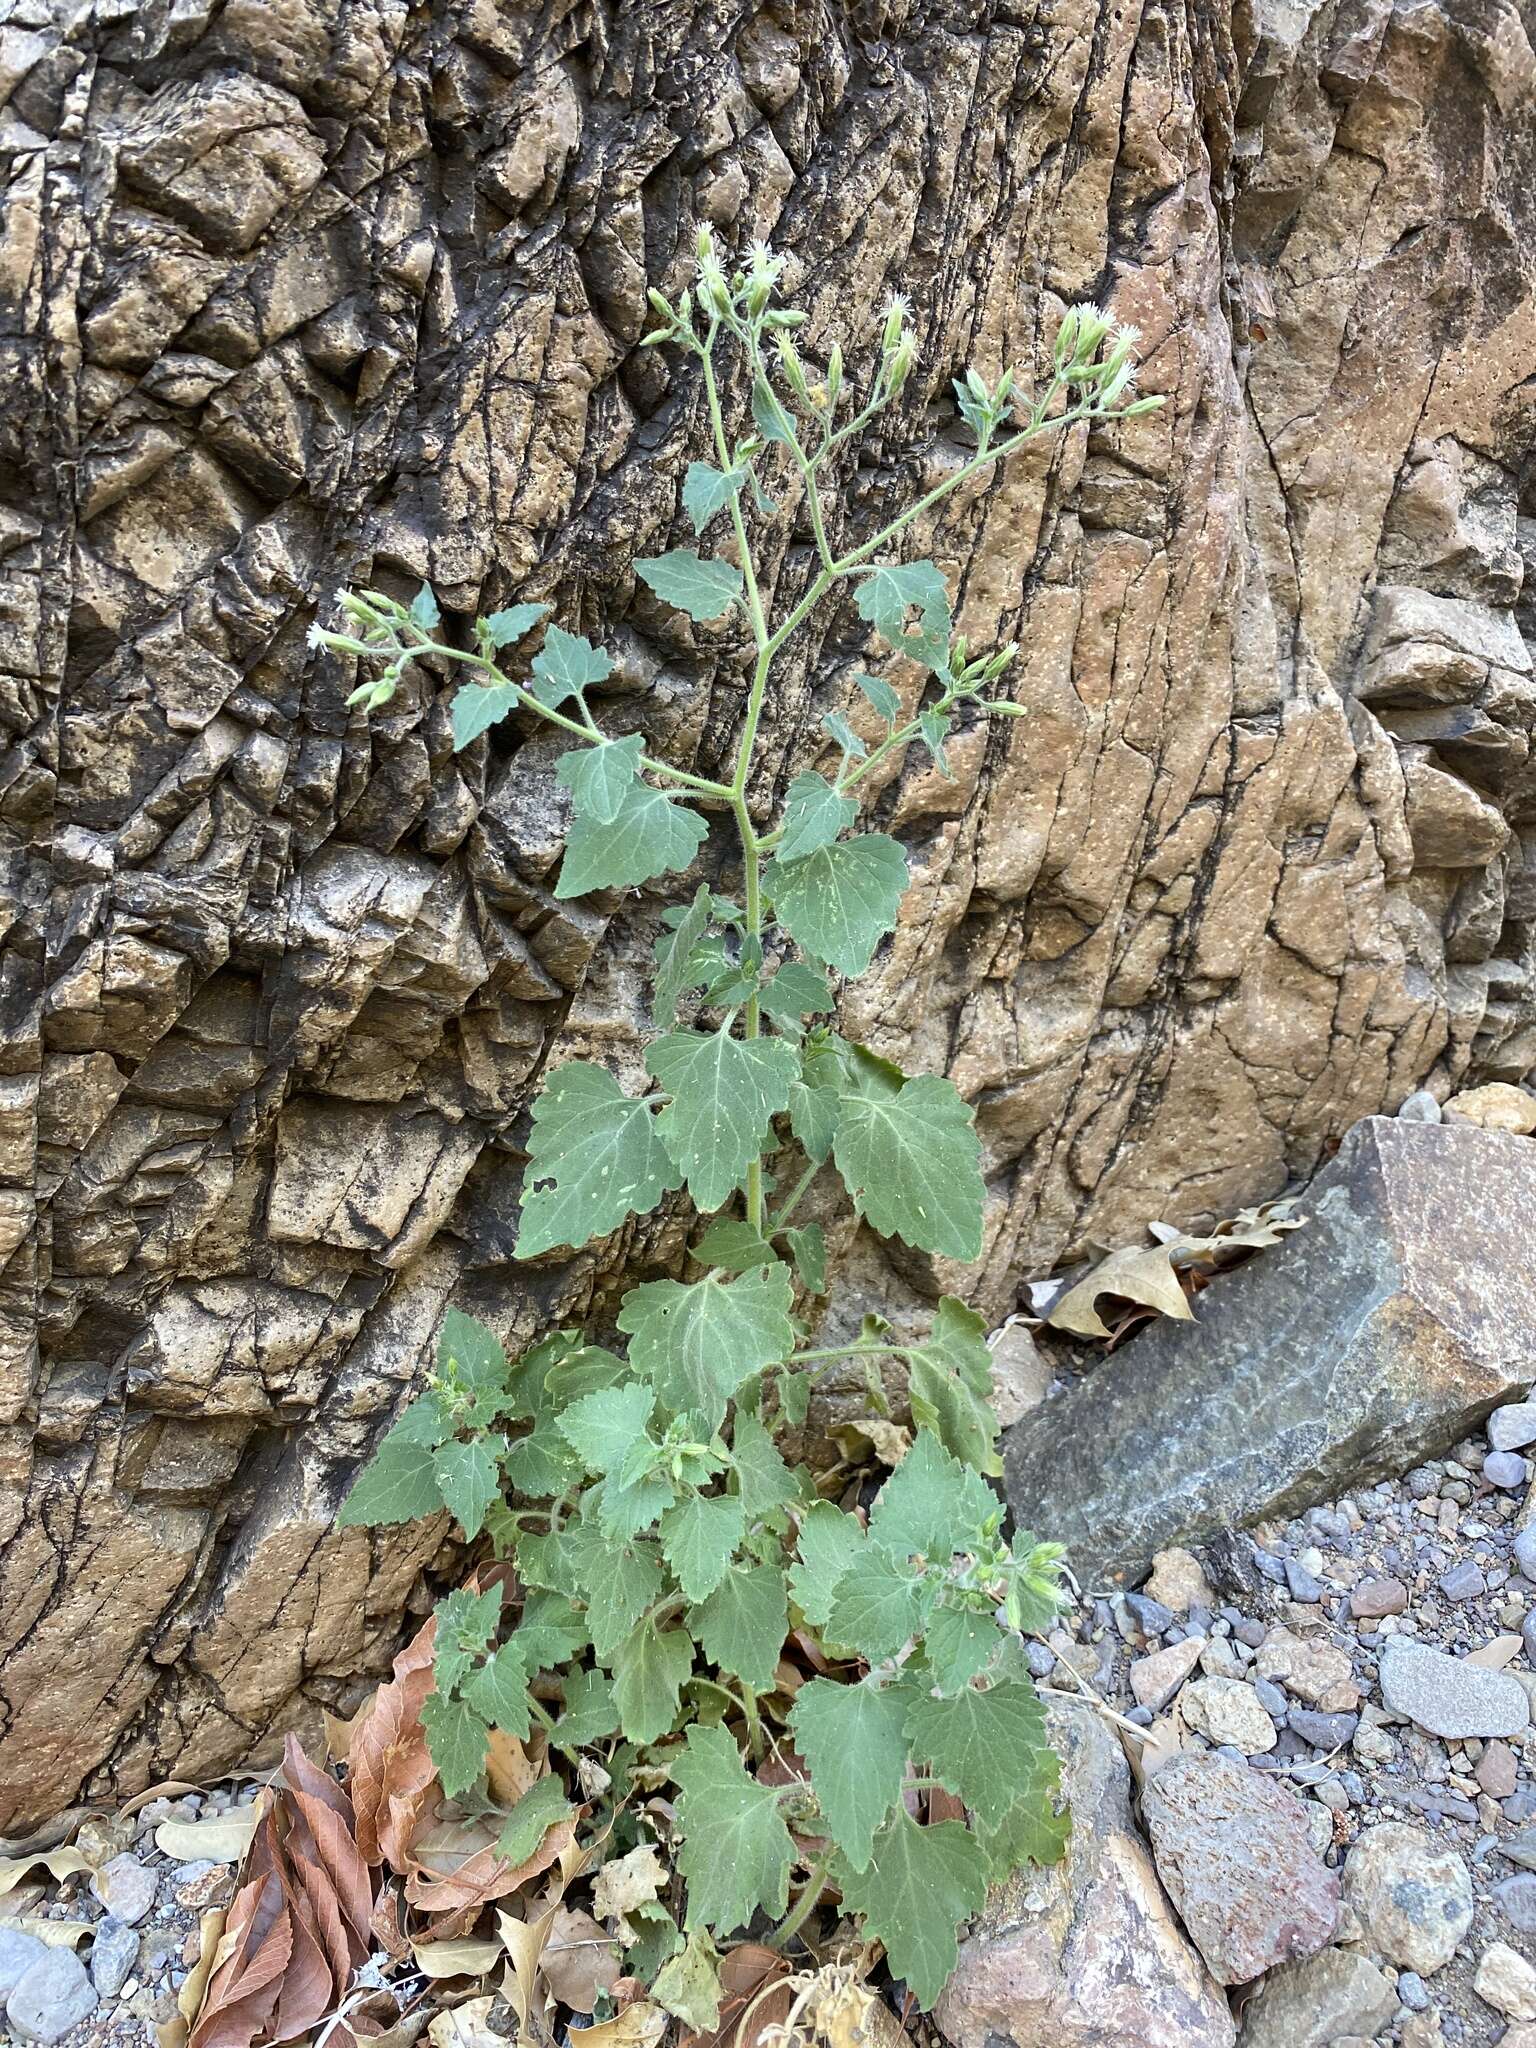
<point x="59" y="1863"/>
<point x="466" y="1957"/>
<point x="223" y="1839"/>
<point x="465" y="2026"/>
<point x="391" y="1777"/>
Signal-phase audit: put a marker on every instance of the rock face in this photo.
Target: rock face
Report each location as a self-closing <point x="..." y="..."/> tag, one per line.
<point x="1231" y="1846"/>
<point x="354" y="291"/>
<point x="1370" y="1339"/>
<point x="1088" y="1954"/>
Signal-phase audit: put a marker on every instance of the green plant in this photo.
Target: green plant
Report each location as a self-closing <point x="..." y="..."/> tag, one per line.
<point x="666" y="1548"/>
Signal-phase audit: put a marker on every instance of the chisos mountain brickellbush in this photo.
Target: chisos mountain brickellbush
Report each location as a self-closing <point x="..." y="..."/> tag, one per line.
<point x="664" y="1547"/>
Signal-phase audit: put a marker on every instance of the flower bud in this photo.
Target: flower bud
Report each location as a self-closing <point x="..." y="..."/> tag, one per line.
<point x="834" y="373"/>
<point x="1144" y="405"/>
<point x="895" y="321"/>
<point x="898" y="365"/>
<point x="793" y="368"/>
<point x="704" y="246"/>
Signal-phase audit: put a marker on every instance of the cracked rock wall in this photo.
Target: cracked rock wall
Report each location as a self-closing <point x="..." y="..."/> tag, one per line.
<point x="303" y="291"/>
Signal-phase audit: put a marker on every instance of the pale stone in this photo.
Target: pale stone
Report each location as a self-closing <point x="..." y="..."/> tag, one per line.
<point x="1311" y="2004"/>
<point x="1506" y="1981"/>
<point x="1178" y="1581"/>
<point x="1496" y="1106"/>
<point x="1413" y="1896"/>
<point x="1226" y="1711"/>
<point x="1450" y="1696"/>
<point x="1155" y="1679"/>
<point x="1315" y="1671"/>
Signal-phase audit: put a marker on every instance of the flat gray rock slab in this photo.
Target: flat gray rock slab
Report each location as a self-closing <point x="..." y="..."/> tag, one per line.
<point x="1449" y="1697"/>
<point x="1370" y="1340"/>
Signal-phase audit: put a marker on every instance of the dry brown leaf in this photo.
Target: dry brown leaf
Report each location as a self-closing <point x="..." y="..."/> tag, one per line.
<point x="486" y="1877"/>
<point x="846" y="2014"/>
<point x="53" y="1933"/>
<point x="509" y="1769"/>
<point x="1493" y="1656"/>
<point x="579" y="1960"/>
<point x="224" y="1839"/>
<point x="1142" y="1273"/>
<point x="321" y="1807"/>
<point x="629" y="1881"/>
<point x="466" y="1957"/>
<point x="59" y="1863"/>
<point x="391" y="1777"/>
<point x="338" y="1734"/>
<point x="465" y="2026"/>
<point x="637" y="2026"/>
<point x="887" y="1440"/>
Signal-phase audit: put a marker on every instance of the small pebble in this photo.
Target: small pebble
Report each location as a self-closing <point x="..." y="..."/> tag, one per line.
<point x="1323" y="1731"/>
<point x="1525" y="1553"/>
<point x="1302" y="1584"/>
<point x="1506" y="1469"/>
<point x="1420" y="1108"/>
<point x="1412" y="1990"/>
<point x="114" y="1951"/>
<point x="1517" y="1901"/>
<point x="1272" y="1698"/>
<point x="1373" y="1598"/>
<point x="1463" y="1582"/>
<point x="1152" y="1616"/>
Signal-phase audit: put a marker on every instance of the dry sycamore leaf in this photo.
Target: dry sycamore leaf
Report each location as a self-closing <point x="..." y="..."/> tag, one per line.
<point x="478" y="1879"/>
<point x="465" y="2026"/>
<point x="224" y="1839"/>
<point x="578" y="1960"/>
<point x="1139" y="1273"/>
<point x="466" y="1957"/>
<point x="627" y="1882"/>
<point x="755" y="1999"/>
<point x="638" y="2026"/>
<point x="59" y="1863"/>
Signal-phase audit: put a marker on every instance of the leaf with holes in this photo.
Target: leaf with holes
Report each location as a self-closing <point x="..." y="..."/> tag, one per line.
<point x="601" y="778"/>
<point x="696" y="1343"/>
<point x="911" y="1162"/>
<point x="840" y="902"/>
<point x="725" y="1093"/>
<point x="736" y="1851"/>
<point x="564" y="666"/>
<point x="650" y="834"/>
<point x="594" y="1159"/>
<point x="814" y="814"/>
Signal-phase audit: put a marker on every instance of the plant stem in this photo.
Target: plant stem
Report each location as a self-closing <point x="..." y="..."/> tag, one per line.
<point x="781" y="1216"/>
<point x="539" y="1714"/>
<point x="805" y="1905"/>
<point x="754" y="1724"/>
<point x="589" y="733"/>
<point x="752" y="912"/>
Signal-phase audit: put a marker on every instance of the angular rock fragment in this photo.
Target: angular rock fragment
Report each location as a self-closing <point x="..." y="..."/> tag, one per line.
<point x="1088" y="1954"/>
<point x="1231" y="1846"/>
<point x="1368" y="1341"/>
